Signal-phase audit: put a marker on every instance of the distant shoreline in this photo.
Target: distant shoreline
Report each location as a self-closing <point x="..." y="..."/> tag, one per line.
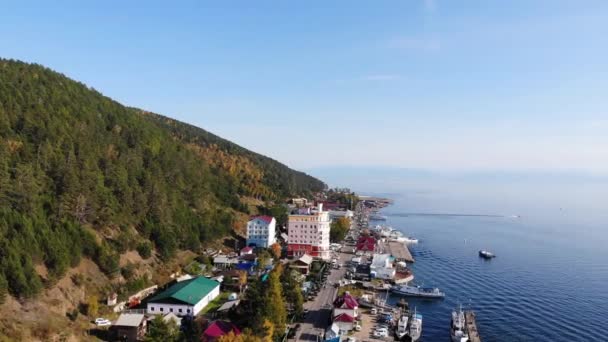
<point x="444" y="214"/>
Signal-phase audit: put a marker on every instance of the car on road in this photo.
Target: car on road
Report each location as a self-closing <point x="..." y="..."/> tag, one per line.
<point x="102" y="322"/>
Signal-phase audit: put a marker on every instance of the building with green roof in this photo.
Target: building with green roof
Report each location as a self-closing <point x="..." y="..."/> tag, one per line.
<point x="184" y="298"/>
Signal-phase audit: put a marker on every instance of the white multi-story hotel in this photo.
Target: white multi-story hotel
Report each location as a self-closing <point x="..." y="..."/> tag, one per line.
<point x="261" y="231"/>
<point x="308" y="233"/>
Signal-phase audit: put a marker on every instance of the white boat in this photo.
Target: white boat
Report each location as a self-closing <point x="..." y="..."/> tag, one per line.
<point x="415" y="329"/>
<point x="457" y="330"/>
<point x="486" y="254"/>
<point x="395" y="235"/>
<point x="409" y="239"/>
<point x="384" y="231"/>
<point x="402" y="326"/>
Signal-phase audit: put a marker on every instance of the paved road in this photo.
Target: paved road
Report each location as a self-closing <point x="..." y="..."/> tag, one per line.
<point x="318" y="317"/>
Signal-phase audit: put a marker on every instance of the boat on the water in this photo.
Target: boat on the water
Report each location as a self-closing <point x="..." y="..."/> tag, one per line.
<point x="415" y="329"/>
<point x="457" y="330"/>
<point x="377" y="217"/>
<point x="417" y="291"/>
<point x="486" y="254"/>
<point x="401" y="330"/>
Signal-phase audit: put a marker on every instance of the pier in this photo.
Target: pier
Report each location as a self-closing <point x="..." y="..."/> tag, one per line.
<point x="398" y="250"/>
<point x="469" y="317"/>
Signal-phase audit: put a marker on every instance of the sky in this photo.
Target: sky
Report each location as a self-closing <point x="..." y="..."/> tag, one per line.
<point x="439" y="85"/>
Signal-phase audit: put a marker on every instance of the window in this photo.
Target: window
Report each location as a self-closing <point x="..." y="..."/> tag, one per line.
<point x="171" y="309"/>
<point x="161" y="309"/>
<point x="180" y="310"/>
<point x="188" y="311"/>
<point x="151" y="308"/>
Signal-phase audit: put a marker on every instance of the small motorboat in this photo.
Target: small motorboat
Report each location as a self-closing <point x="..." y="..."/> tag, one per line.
<point x="486" y="254"/>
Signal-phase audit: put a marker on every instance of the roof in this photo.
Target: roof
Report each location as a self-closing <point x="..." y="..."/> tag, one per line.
<point x="221" y="328"/>
<point x="188" y="291"/>
<point x="346" y="301"/>
<point x="305" y="258"/>
<point x="344" y="317"/>
<point x="224" y="259"/>
<point x="366" y="243"/>
<point x="247" y="249"/>
<point x="265" y="218"/>
<point x="332" y="331"/>
<point x="229" y="305"/>
<point x="380" y="260"/>
<point x="129" y="320"/>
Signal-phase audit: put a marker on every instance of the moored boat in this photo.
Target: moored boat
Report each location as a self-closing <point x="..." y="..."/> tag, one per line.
<point x="377" y="217"/>
<point x="401" y="330"/>
<point x="415" y="329"/>
<point x="486" y="254"/>
<point x="417" y="291"/>
<point x="457" y="329"/>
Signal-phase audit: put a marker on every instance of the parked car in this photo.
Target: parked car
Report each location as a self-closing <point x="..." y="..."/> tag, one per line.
<point x="373" y="311"/>
<point x="351" y="339"/>
<point x="380" y="333"/>
<point x="102" y="322"/>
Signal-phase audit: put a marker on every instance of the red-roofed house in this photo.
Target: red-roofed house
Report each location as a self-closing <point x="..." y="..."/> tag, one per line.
<point x="261" y="231"/>
<point x="345" y="322"/>
<point x="218" y="329"/>
<point x="366" y="244"/>
<point x="346" y="304"/>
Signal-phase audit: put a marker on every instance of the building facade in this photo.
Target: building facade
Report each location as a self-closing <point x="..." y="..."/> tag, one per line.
<point x="185" y="298"/>
<point x="261" y="231"/>
<point x="308" y="233"/>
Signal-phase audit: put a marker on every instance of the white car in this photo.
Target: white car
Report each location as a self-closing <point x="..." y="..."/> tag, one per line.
<point x="102" y="322"/>
<point x="351" y="339"/>
<point x="374" y="311"/>
<point x="380" y="333"/>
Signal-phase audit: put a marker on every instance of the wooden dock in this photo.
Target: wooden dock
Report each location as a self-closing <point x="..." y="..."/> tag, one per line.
<point x="472" y="326"/>
<point x="399" y="251"/>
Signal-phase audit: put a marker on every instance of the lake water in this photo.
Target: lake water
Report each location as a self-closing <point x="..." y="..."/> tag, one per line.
<point x="542" y="286"/>
<point x="549" y="281"/>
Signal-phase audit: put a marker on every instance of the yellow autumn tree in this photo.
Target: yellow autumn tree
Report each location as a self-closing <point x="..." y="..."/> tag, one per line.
<point x="269" y="331"/>
<point x="243" y="337"/>
<point x="242" y="280"/>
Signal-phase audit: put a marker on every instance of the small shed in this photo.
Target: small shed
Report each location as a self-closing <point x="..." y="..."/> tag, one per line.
<point x="302" y="264"/>
<point x="130" y="327"/>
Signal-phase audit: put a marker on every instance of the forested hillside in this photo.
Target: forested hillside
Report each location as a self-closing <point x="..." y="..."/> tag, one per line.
<point x="79" y="171"/>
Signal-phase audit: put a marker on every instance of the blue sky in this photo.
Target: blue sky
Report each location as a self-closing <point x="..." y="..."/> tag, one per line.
<point x="448" y="85"/>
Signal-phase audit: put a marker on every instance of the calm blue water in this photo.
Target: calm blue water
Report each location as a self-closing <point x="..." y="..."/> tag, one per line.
<point x="547" y="283"/>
